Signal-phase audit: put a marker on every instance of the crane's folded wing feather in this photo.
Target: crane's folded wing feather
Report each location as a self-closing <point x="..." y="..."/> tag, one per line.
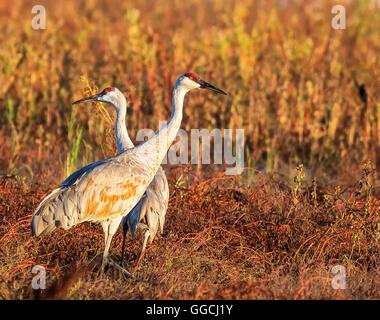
<point x="102" y="190"/>
<point x="71" y="179"/>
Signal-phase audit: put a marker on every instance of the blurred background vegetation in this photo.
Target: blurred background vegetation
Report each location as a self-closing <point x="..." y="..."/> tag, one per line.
<point x="302" y="91"/>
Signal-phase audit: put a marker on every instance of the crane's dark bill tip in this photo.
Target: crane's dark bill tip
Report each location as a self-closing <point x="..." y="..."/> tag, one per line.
<point x="87" y="99"/>
<point x="211" y="87"/>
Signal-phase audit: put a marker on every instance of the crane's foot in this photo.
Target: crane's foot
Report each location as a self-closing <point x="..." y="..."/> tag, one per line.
<point x="110" y="262"/>
<point x="119" y="267"/>
<point x="138" y="261"/>
<point x="103" y="267"/>
<point x="121" y="263"/>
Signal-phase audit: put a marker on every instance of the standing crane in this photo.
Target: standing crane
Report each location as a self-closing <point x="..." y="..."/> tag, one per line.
<point x="149" y="213"/>
<point x="107" y="190"/>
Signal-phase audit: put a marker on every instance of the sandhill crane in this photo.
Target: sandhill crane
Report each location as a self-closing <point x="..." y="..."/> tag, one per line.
<point x="149" y="213"/>
<point x="107" y="190"/>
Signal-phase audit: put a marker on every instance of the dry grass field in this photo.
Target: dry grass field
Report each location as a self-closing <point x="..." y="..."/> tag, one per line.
<point x="306" y="95"/>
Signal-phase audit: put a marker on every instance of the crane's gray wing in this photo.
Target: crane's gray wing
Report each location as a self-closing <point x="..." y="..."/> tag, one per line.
<point x="164" y="195"/>
<point x="159" y="202"/>
<point x="152" y="207"/>
<point x="71" y="179"/>
<point x="104" y="191"/>
<point x="134" y="217"/>
<point x="46" y="217"/>
<point x="150" y="211"/>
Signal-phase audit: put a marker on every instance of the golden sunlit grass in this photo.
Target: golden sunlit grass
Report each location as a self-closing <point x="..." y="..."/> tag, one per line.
<point x="293" y="80"/>
<point x="307" y="97"/>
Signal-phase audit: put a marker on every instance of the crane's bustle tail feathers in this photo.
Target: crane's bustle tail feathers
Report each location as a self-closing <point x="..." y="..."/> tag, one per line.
<point x="59" y="208"/>
<point x="56" y="210"/>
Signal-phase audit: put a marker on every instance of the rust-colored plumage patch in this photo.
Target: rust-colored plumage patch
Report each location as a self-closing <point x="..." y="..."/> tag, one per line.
<point x="130" y="190"/>
<point x="91" y="207"/>
<point x="128" y="186"/>
<point x="105" y="211"/>
<point x="89" y="183"/>
<point x="139" y="181"/>
<point x="100" y="207"/>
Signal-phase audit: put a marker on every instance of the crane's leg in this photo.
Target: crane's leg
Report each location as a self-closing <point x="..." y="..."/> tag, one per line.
<point x="107" y="242"/>
<point x="110" y="227"/>
<point x="146" y="238"/>
<point x="130" y="222"/>
<point x="125" y="231"/>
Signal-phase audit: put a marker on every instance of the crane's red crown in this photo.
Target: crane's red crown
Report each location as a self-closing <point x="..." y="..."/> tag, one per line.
<point x="192" y="76"/>
<point x="108" y="89"/>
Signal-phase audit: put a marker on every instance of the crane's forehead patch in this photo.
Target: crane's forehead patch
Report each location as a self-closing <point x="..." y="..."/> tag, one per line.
<point x="108" y="89"/>
<point x="192" y="76"/>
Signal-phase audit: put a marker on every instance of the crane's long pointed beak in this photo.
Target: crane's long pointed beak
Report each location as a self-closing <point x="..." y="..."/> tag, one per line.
<point x="211" y="87"/>
<point x="88" y="99"/>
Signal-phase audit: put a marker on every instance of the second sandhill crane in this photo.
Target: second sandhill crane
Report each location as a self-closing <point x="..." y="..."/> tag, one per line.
<point x="107" y="190"/>
<point x="149" y="213"/>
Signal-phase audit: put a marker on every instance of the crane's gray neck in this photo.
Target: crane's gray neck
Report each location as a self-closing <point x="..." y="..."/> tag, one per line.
<point x="123" y="140"/>
<point x="175" y="119"/>
<point x="155" y="148"/>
